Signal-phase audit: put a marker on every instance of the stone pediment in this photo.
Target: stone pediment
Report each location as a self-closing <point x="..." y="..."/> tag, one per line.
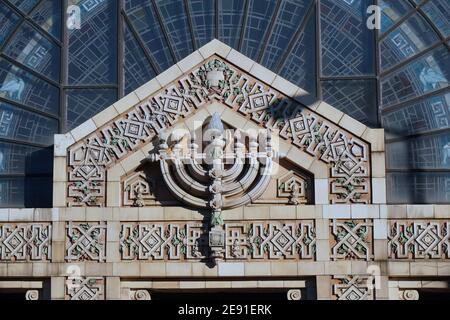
<point x="327" y="157"/>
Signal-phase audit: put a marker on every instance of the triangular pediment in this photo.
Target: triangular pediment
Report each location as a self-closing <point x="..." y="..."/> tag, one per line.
<point x="338" y="151"/>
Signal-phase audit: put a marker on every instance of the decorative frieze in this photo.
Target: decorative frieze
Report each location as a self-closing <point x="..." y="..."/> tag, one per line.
<point x="419" y="239"/>
<point x="346" y="156"/>
<point x="352" y="288"/>
<point x="85" y="241"/>
<point x="85" y="288"/>
<point x="351" y="239"/>
<point x="256" y="240"/>
<point x="25" y="242"/>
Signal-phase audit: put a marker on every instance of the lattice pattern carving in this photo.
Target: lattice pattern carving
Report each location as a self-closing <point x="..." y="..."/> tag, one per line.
<point x="352" y="288"/>
<point x="258" y="240"/>
<point x="419" y="239"/>
<point x="85" y="288"/>
<point x="347" y="156"/>
<point x="25" y="242"/>
<point x="86" y="241"/>
<point x="353" y="239"/>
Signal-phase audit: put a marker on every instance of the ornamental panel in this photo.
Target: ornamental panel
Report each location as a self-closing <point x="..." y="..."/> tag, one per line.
<point x="419" y="239"/>
<point x="243" y="240"/>
<point x="25" y="242"/>
<point x="351" y="239"/>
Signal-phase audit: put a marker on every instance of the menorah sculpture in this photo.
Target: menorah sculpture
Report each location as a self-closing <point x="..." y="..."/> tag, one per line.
<point x="216" y="179"/>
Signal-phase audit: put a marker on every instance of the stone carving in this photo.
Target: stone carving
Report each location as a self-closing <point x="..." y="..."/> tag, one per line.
<point x="137" y="190"/>
<point x="81" y="288"/>
<point x="347" y="156"/>
<point x="419" y="239"/>
<point x="293" y="187"/>
<point x="352" y="288"/>
<point x="202" y="180"/>
<point x="257" y="240"/>
<point x="32" y="295"/>
<point x="294" y="294"/>
<point x="85" y="241"/>
<point x="141" y="294"/>
<point x="353" y="239"/>
<point x="25" y="242"/>
<point x="408" y="294"/>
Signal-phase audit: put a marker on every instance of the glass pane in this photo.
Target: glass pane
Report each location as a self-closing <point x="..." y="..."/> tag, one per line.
<point x="82" y="104"/>
<point x="92" y="48"/>
<point x="426" y="74"/>
<point x="300" y="66"/>
<point x="146" y="24"/>
<point x="137" y="68"/>
<point x="26" y="126"/>
<point x="8" y="22"/>
<point x="411" y="37"/>
<point x="13" y="157"/>
<point x="230" y="21"/>
<point x="292" y="13"/>
<point x="12" y="192"/>
<point x="203" y="20"/>
<point x="347" y="43"/>
<point x="353" y="97"/>
<point x="392" y="11"/>
<point x="35" y="51"/>
<point x="429" y="114"/>
<point x="48" y="16"/>
<point x="24" y="5"/>
<point x="418" y="187"/>
<point x="20" y="86"/>
<point x="439" y="12"/>
<point x="260" y="13"/>
<point x="425" y="152"/>
<point x="175" y="21"/>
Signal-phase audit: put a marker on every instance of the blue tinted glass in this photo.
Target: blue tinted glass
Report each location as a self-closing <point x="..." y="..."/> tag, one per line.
<point x="203" y="20"/>
<point x="24" y="5"/>
<point x="408" y="39"/>
<point x="20" y="86"/>
<point x="439" y="12"/>
<point x="392" y="11"/>
<point x="300" y="65"/>
<point x="175" y="21"/>
<point x="12" y="192"/>
<point x="424" y="152"/>
<point x="48" y="16"/>
<point x="230" y="21"/>
<point x="8" y="21"/>
<point x="78" y="99"/>
<point x="92" y="48"/>
<point x="22" y="125"/>
<point x="137" y="69"/>
<point x="35" y="51"/>
<point x="347" y="43"/>
<point x="418" y="187"/>
<point x="426" y="74"/>
<point x="146" y="24"/>
<point x="353" y="97"/>
<point x="13" y="157"/>
<point x="429" y="114"/>
<point x="291" y="15"/>
<point x="260" y="13"/>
